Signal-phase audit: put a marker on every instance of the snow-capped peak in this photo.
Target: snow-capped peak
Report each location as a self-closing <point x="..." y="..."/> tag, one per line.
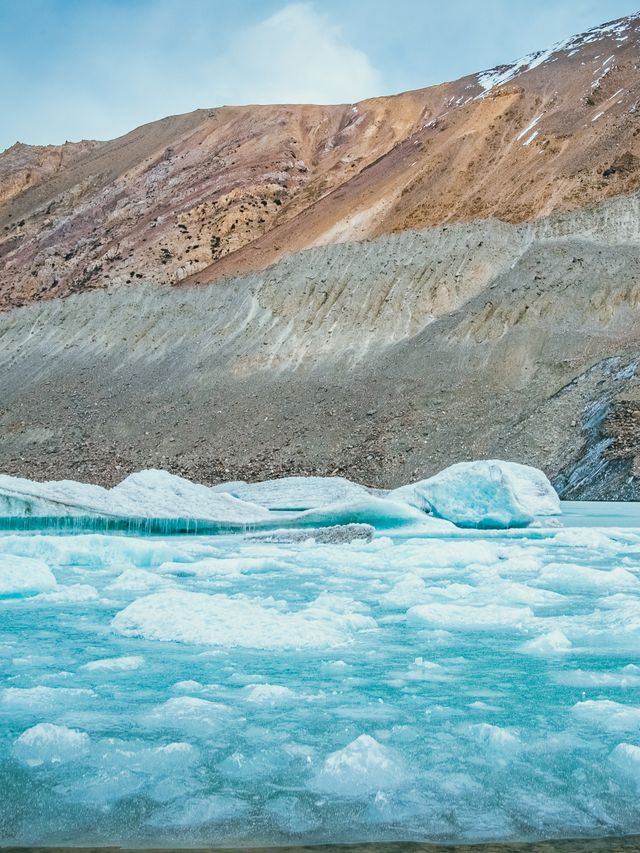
<point x="501" y="74"/>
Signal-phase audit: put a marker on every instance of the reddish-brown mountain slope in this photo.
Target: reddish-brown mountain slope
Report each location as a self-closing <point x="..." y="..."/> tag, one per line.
<point x="196" y="197"/>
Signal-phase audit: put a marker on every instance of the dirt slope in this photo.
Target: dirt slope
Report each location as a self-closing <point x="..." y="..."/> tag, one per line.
<point x="221" y="192"/>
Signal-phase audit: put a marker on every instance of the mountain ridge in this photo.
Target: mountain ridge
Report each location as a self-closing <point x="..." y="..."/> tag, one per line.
<point x="219" y="192"/>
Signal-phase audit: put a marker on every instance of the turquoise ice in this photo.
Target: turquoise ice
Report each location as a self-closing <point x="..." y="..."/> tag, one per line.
<point x="427" y="682"/>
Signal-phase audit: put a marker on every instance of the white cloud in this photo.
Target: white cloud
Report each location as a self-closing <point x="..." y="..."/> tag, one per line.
<point x="98" y="69"/>
<point x="294" y="56"/>
<point x="166" y="57"/>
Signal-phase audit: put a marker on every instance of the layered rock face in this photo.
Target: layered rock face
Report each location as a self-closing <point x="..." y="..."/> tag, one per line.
<point x="381" y="360"/>
<point x="375" y="290"/>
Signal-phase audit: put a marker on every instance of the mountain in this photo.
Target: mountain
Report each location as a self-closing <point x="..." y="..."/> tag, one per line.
<point x="224" y="191"/>
<point x="375" y="289"/>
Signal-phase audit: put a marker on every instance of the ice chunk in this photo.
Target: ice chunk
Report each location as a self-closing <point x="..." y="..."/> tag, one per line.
<point x="447" y="553"/>
<point x="188" y="714"/>
<point x="553" y="643"/>
<point x="47" y="743"/>
<point x="122" y="664"/>
<point x="140" y="580"/>
<point x="24" y="498"/>
<point x="220" y="620"/>
<point x="427" y="670"/>
<point x="409" y="590"/>
<point x="299" y="493"/>
<point x="572" y="578"/>
<point x="217" y="566"/>
<point x="255" y="766"/>
<point x="522" y="593"/>
<point x="199" y="810"/>
<point x="20" y="575"/>
<point x="77" y="593"/>
<point x="486" y="494"/>
<point x="612" y="716"/>
<point x="461" y="617"/>
<point x="39" y="699"/>
<point x="626" y="757"/>
<point x="627" y="677"/>
<point x="188" y="686"/>
<point x="116" y="755"/>
<point x="586" y="538"/>
<point x="103" y="788"/>
<point x="495" y="738"/>
<point x="93" y="550"/>
<point x="159" y="494"/>
<point x="269" y="694"/>
<point x="362" y="767"/>
<point x="384" y="513"/>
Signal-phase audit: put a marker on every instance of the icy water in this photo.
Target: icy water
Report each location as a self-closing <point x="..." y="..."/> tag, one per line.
<point x="218" y="690"/>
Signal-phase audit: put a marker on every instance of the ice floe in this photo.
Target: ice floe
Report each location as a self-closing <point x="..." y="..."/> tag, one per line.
<point x="122" y="664"/>
<point x="189" y="715"/>
<point x="20" y="575"/>
<point x="609" y="715"/>
<point x="35" y="700"/>
<point x="626" y="757"/>
<point x="363" y="765"/>
<point x="221" y="620"/>
<point x="47" y="743"/>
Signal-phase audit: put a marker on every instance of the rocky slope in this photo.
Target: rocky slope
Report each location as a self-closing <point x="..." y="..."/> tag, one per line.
<point x="403" y="354"/>
<point x="375" y="290"/>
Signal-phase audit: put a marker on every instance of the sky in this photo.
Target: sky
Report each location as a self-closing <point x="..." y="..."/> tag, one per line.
<point x="95" y="69"/>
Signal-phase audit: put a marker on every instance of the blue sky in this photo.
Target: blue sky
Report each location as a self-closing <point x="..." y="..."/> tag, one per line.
<point x="74" y="69"/>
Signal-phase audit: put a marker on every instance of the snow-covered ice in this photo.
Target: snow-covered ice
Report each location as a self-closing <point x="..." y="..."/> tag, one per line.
<point x="457" y="674"/>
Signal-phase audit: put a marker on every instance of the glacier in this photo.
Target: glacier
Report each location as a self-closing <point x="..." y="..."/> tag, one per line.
<point x="452" y="661"/>
<point x="492" y="494"/>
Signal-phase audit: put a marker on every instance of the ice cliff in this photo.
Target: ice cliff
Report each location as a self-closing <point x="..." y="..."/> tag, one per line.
<point x="485" y="494"/>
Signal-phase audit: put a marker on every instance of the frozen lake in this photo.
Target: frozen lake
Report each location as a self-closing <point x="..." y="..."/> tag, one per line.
<point x="445" y="686"/>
